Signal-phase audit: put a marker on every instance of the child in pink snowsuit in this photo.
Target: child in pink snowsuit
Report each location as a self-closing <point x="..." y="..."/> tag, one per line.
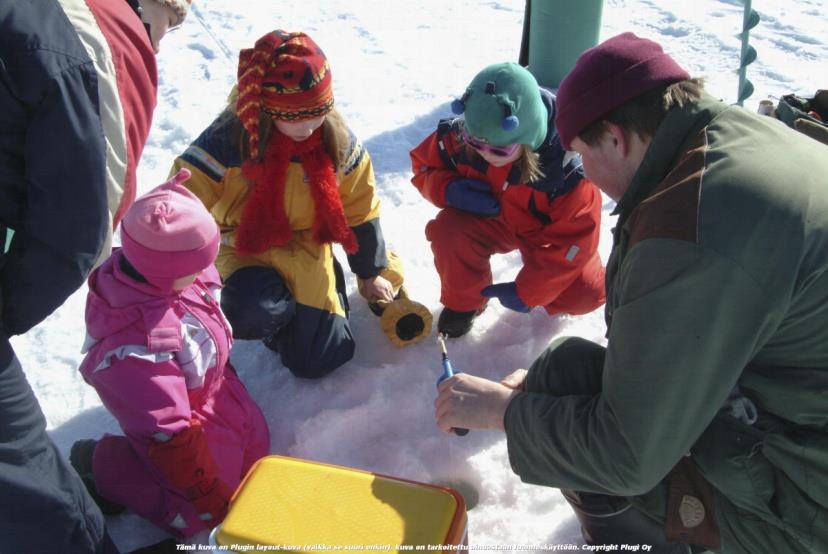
<point x="157" y="352"/>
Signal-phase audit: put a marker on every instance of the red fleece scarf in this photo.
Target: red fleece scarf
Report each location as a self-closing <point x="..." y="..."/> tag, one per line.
<point x="264" y="222"/>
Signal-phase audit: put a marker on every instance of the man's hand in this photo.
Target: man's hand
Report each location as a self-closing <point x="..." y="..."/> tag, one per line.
<point x="376" y="289"/>
<point x="515" y="379"/>
<point x="468" y="402"/>
<point x="160" y="18"/>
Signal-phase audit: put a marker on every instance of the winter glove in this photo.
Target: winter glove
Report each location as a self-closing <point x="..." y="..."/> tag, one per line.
<point x="186" y="462"/>
<point x="473" y="196"/>
<point x="508" y="296"/>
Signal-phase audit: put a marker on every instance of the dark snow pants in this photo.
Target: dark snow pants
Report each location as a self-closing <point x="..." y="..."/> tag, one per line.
<point x="311" y="342"/>
<point x="44" y="506"/>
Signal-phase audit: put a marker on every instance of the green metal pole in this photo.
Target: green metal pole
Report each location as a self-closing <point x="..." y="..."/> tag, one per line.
<point x="749" y="21"/>
<point x="559" y="31"/>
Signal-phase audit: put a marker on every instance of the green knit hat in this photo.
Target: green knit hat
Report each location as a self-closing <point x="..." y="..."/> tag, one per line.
<point x="503" y="105"/>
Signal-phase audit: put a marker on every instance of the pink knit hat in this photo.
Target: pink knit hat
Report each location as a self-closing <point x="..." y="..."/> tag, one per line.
<point x="168" y="233"/>
<point x="606" y="76"/>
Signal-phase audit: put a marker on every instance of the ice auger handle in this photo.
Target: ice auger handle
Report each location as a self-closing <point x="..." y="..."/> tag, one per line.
<point x="448" y="371"/>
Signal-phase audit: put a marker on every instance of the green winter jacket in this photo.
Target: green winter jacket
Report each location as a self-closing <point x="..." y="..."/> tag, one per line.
<point x="718" y="278"/>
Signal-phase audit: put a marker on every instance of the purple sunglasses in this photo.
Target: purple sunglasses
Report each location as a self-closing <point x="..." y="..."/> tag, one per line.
<point x="483" y="146"/>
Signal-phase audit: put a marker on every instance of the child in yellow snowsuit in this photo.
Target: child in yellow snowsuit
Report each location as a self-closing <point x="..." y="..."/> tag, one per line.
<point x="285" y="178"/>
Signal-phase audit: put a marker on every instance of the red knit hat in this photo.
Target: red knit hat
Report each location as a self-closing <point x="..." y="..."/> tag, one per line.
<point x="285" y="75"/>
<point x="168" y="233"/>
<point x="606" y="76"/>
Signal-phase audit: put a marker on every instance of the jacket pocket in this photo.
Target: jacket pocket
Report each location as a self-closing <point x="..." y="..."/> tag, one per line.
<point x="773" y="475"/>
<point x="729" y="455"/>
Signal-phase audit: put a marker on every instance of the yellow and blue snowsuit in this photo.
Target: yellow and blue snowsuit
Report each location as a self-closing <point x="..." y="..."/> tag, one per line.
<point x="293" y="296"/>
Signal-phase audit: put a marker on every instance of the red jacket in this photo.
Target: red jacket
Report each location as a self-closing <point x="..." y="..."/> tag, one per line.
<point x="554" y="219"/>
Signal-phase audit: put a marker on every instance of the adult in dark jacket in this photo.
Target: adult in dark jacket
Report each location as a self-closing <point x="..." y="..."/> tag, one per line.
<point x="702" y="424"/>
<point x="77" y="87"/>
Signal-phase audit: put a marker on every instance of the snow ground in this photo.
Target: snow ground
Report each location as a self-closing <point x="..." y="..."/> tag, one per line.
<point x="396" y="67"/>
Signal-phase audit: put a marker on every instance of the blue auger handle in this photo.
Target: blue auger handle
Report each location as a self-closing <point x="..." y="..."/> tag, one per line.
<point x="448" y="371"/>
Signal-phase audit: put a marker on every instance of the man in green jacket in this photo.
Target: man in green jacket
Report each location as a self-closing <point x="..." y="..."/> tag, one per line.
<point x="704" y="422"/>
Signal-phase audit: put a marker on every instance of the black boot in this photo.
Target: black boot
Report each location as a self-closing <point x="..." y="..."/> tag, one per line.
<point x="613" y="520"/>
<point x="455" y="324"/>
<point x="80" y="456"/>
<point x="272" y="342"/>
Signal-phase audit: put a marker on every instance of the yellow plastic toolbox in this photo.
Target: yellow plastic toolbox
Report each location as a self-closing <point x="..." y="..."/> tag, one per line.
<point x="291" y="505"/>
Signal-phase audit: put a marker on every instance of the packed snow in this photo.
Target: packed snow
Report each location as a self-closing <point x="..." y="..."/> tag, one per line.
<point x="396" y="66"/>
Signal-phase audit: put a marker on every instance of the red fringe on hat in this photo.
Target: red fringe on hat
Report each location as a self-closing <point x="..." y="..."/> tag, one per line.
<point x="264" y="223"/>
<point x="252" y="65"/>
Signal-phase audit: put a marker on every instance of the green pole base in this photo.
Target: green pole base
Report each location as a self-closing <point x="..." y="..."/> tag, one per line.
<point x="559" y="32"/>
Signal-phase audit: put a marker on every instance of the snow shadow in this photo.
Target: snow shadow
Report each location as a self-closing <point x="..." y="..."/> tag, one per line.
<point x="89" y="424"/>
<point x="389" y="149"/>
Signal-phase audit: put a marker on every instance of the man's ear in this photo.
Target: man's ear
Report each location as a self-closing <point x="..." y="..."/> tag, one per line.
<point x="629" y="146"/>
<point x="619" y="138"/>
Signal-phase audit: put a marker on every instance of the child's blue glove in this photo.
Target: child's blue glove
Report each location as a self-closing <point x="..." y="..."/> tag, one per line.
<point x="508" y="296"/>
<point x="473" y="196"/>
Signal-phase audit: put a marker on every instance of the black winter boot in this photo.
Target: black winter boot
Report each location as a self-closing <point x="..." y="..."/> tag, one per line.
<point x="455" y="324"/>
<point x="612" y="520"/>
<point x="272" y="342"/>
<point x="80" y="456"/>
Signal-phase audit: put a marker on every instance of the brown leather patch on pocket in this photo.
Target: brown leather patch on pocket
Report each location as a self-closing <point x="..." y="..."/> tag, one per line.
<point x="691" y="507"/>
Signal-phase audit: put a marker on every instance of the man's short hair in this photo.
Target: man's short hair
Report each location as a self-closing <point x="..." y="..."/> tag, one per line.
<point x="643" y="114"/>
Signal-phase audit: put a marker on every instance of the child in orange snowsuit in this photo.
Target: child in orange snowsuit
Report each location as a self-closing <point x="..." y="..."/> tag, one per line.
<point x="505" y="183"/>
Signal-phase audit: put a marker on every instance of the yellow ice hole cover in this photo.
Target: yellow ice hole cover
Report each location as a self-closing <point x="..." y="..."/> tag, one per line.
<point x="292" y="505"/>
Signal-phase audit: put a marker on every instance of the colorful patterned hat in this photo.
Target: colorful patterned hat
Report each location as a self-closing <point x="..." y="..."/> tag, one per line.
<point x="285" y="75"/>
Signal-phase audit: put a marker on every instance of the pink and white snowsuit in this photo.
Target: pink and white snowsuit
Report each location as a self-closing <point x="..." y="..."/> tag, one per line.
<point x="160" y="363"/>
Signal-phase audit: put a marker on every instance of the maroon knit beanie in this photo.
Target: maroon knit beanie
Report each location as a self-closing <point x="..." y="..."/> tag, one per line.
<point x="606" y="76"/>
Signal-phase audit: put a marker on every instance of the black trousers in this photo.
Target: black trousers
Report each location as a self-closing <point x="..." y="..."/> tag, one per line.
<point x="311" y="342"/>
<point x="44" y="506"/>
